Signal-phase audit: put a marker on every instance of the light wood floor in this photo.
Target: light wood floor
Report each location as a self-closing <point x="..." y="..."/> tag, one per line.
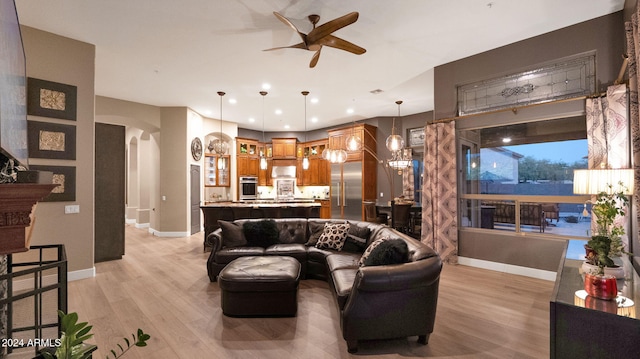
<point x="161" y="286"/>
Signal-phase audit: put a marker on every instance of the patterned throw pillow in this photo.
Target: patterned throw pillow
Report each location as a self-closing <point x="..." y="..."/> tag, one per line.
<point x="333" y="236"/>
<point x="372" y="246"/>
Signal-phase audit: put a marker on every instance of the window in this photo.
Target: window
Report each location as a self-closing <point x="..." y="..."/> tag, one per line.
<point x="519" y="177"/>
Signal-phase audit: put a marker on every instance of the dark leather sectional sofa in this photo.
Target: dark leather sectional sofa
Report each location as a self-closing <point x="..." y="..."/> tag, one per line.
<point x="375" y="302"/>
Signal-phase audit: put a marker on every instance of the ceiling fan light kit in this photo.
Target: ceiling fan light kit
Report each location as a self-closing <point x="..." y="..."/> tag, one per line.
<point x="322" y="36"/>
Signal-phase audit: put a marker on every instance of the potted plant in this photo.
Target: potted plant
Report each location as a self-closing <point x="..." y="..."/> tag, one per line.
<point x="607" y="242"/>
<point x="600" y="270"/>
<point x="71" y="343"/>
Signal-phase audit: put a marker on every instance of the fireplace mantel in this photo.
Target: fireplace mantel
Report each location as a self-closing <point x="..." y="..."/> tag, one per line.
<point x="16" y="204"/>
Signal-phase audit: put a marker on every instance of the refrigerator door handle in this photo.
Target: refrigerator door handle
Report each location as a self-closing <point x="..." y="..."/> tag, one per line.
<point x="344" y="194"/>
<point x="339" y="196"/>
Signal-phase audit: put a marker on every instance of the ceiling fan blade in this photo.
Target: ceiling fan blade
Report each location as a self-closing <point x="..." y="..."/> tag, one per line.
<point x="291" y="25"/>
<point x="331" y="26"/>
<point x="315" y="58"/>
<point x="338" y="43"/>
<point x="296" y="46"/>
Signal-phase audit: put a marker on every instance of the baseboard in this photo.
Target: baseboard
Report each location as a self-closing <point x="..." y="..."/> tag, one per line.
<point x="169" y="234"/>
<point x="142" y="225"/>
<point x="508" y="268"/>
<point x="27" y="284"/>
<point x="130" y="221"/>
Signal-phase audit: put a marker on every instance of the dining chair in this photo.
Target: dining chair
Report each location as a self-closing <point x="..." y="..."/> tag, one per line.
<point x="371" y="212"/>
<point x="401" y="217"/>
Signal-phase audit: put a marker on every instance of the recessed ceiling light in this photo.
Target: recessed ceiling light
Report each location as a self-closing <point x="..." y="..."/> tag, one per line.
<point x="314" y="119"/>
<point x="349" y="110"/>
<point x="278" y="111"/>
<point x="266" y="86"/>
<point x="233" y="101"/>
<point x="286" y="127"/>
<point x="251" y="119"/>
<point x="314" y="100"/>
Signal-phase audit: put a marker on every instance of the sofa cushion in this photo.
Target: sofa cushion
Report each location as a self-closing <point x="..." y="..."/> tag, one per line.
<point x="333" y="236"/>
<point x="296" y="250"/>
<point x="342" y="280"/>
<point x="261" y="233"/>
<point x="318" y="255"/>
<point x="315" y="231"/>
<point x="232" y="234"/>
<point x="342" y="260"/>
<point x="292" y="231"/>
<point x="370" y="248"/>
<point x="391" y="251"/>
<point x="226" y="255"/>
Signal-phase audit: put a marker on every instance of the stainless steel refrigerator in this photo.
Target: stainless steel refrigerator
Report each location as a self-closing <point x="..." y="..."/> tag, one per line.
<point x="346" y="190"/>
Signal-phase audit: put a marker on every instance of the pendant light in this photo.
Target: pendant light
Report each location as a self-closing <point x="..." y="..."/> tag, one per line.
<point x="305" y="159"/>
<point x="219" y="146"/>
<point x="354" y="142"/>
<point x="395" y="142"/>
<point x="263" y="158"/>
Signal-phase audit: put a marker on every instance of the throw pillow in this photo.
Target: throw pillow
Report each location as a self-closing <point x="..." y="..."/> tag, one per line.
<point x="391" y="251"/>
<point x="359" y="231"/>
<point x="369" y="249"/>
<point x="292" y="232"/>
<point x="232" y="235"/>
<point x="261" y="233"/>
<point x="316" y="229"/>
<point x="354" y="244"/>
<point x="333" y="236"/>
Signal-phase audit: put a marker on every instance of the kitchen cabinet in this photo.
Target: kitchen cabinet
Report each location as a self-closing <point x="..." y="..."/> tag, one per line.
<point x="264" y="176"/>
<point x="248" y="166"/>
<point x="355" y="180"/>
<point x="246" y="147"/>
<point x="217" y="170"/>
<point x="318" y="172"/>
<point x="325" y="208"/>
<point x="284" y="147"/>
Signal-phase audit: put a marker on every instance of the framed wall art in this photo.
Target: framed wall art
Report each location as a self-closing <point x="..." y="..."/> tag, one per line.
<point x="65" y="178"/>
<point x="51" y="140"/>
<point x="51" y="99"/>
<point x="416" y="137"/>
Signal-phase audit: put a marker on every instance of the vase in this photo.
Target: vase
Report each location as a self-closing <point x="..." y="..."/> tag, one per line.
<point x="617" y="271"/>
<point x="601" y="286"/>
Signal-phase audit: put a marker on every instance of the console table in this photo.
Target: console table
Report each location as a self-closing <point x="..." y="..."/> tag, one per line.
<point x="588" y="327"/>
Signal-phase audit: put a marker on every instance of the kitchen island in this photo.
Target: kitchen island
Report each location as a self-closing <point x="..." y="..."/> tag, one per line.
<point x="229" y="211"/>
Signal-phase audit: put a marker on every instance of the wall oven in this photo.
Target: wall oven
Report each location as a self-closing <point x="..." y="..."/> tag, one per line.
<point x="248" y="188"/>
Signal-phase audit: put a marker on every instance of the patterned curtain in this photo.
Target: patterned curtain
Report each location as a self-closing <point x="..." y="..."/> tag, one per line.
<point x="633" y="54"/>
<point x="439" y="191"/>
<point x="407" y="182"/>
<point x="608" y="133"/>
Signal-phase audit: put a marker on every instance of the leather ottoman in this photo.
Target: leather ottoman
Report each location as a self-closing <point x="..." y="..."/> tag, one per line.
<point x="260" y="286"/>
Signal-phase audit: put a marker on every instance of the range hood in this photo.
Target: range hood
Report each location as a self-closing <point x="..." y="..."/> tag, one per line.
<point x="285" y="171"/>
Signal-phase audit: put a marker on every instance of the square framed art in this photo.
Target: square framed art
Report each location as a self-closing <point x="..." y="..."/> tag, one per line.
<point x="416" y="137"/>
<point x="65" y="178"/>
<point x="51" y="140"/>
<point x="51" y="99"/>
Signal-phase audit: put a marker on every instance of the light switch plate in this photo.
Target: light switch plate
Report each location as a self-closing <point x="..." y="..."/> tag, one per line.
<point x="74" y="208"/>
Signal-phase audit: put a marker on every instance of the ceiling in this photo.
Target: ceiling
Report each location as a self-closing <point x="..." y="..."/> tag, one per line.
<point x="181" y="53"/>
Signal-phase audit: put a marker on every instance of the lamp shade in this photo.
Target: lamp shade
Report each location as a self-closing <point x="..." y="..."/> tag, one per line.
<point x="595" y="181"/>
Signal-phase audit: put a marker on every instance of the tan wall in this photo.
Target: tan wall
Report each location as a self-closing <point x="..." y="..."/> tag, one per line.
<point x="604" y="35"/>
<point x="174" y="169"/>
<point x="59" y="59"/>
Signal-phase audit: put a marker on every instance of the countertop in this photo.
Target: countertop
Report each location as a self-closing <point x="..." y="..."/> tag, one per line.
<point x="264" y="203"/>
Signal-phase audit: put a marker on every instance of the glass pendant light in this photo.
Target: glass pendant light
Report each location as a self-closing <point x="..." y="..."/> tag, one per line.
<point x="263" y="159"/>
<point x="395" y="142"/>
<point x="219" y="146"/>
<point x="305" y="159"/>
<point x="354" y="142"/>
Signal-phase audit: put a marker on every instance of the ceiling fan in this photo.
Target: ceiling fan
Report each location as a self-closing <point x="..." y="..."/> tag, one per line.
<point x="321" y="36"/>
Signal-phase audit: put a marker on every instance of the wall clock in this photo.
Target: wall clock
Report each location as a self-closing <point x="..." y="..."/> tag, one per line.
<point x="196" y="149"/>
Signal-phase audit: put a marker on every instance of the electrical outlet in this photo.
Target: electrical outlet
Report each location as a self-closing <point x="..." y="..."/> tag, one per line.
<point x="75" y="208"/>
